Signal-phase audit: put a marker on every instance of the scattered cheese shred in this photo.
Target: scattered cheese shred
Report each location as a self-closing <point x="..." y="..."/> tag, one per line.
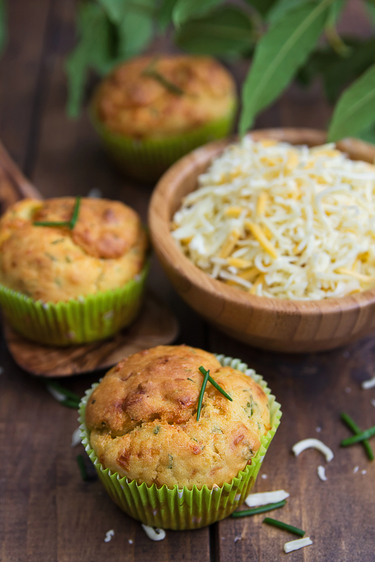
<point x="368" y="384"/>
<point x="264" y="498"/>
<point x="313" y="444"/>
<point x="154" y="534"/>
<point x="109" y="535"/>
<point x="76" y="437"/>
<point x="297" y="544"/>
<point x="322" y="473"/>
<point x="304" y="218"/>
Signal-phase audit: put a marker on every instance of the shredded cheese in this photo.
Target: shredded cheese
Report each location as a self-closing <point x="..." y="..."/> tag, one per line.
<point x="312" y="444"/>
<point x="297" y="544"/>
<point x="154" y="534"/>
<point x="368" y="384"/>
<point x="303" y="218"/>
<point x="264" y="498"/>
<point x="322" y="473"/>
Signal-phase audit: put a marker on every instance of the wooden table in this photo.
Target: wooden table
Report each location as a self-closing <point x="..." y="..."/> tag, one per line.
<point x="47" y="513"/>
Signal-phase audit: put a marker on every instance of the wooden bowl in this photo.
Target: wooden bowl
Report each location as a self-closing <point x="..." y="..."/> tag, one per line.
<point x="277" y="324"/>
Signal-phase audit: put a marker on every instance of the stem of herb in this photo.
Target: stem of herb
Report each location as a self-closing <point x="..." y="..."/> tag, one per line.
<point x="82" y="468"/>
<point x="70" y="404"/>
<point x="74" y="218"/>
<point x="218" y="387"/>
<point x="74" y="397"/>
<point x="355" y="429"/>
<point x="203" y="388"/>
<point x="48" y="223"/>
<point x="260" y="509"/>
<point x="284" y="526"/>
<point x="360" y="437"/>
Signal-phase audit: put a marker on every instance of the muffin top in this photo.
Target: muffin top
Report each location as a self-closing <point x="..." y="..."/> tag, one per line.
<point x="105" y="248"/>
<point x="150" y="97"/>
<point x="142" y="419"/>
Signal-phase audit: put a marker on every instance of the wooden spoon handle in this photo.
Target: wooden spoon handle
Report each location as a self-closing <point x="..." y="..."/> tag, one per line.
<point x="13" y="184"/>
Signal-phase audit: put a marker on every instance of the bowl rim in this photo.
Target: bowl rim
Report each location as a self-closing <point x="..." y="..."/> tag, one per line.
<point x="165" y="245"/>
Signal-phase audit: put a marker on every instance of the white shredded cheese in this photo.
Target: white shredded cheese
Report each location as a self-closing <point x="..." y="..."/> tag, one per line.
<point x="368" y="384"/>
<point x="313" y="444"/>
<point x="373" y="402"/>
<point x="282" y="221"/>
<point x="56" y="394"/>
<point x="109" y="535"/>
<point x="264" y="498"/>
<point x="76" y="437"/>
<point x="355" y="469"/>
<point x="322" y="473"/>
<point x="154" y="534"/>
<point x="297" y="544"/>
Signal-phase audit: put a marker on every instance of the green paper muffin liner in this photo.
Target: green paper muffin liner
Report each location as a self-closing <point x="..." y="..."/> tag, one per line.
<point x="148" y="159"/>
<point x="77" y="321"/>
<point x="182" y="509"/>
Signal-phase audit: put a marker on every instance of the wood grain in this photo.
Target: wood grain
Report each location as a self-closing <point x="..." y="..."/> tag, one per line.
<point x="269" y="323"/>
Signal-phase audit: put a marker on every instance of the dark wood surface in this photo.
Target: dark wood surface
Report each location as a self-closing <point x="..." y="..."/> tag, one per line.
<point x="47" y="513"/>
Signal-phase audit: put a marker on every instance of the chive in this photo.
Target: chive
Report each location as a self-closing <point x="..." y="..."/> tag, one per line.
<point x="355" y="429"/>
<point x="260" y="509"/>
<point x="82" y="468"/>
<point x="284" y="526"/>
<point x="70" y="404"/>
<point x="360" y="437"/>
<point x="64" y="391"/>
<point x="70" y="224"/>
<point x="215" y="384"/>
<point x="151" y="72"/>
<point x="203" y="388"/>
<point x="191" y="380"/>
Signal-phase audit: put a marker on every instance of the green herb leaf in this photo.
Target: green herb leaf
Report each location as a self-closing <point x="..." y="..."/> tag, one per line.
<point x="282" y="7"/>
<point x="355" y="108"/>
<point x="136" y="29"/>
<point x="203" y="388"/>
<point x="355" y="429"/>
<point x="76" y="208"/>
<point x="226" y="31"/>
<point x="262" y="6"/>
<point x="370" y="7"/>
<point x="165" y="13"/>
<point x="260" y="509"/>
<point x="359" y="437"/>
<point x="185" y="10"/>
<point x="69" y="224"/>
<point x="68" y="393"/>
<point x="115" y="9"/>
<point x="367" y="134"/>
<point x="152" y="72"/>
<point x="284" y="526"/>
<point x="278" y="55"/>
<point x="218" y="387"/>
<point x="332" y="35"/>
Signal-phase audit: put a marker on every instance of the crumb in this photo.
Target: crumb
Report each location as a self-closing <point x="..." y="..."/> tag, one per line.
<point x="348" y="390"/>
<point x="264" y="476"/>
<point x="364" y="471"/>
<point x="109" y="535"/>
<point x="318" y="429"/>
<point x="237" y="538"/>
<point x="355" y="469"/>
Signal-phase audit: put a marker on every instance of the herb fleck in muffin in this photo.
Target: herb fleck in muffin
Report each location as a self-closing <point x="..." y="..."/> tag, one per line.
<point x="151" y="111"/>
<point x="142" y="419"/>
<point x="47" y="262"/>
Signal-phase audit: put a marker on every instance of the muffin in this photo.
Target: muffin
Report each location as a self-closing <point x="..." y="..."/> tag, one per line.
<point x="150" y="111"/>
<point x="158" y="462"/>
<point x="64" y="283"/>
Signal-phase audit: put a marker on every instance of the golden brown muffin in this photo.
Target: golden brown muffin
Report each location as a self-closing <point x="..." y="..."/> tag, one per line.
<point x="105" y="249"/>
<point x="142" y="419"/>
<point x="132" y="102"/>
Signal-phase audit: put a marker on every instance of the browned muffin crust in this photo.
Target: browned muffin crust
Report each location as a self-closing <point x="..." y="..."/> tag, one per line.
<point x="131" y="103"/>
<point x="142" y="419"/>
<point x="105" y="249"/>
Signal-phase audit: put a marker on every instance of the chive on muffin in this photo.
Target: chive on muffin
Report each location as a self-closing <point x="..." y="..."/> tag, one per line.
<point x="71" y="270"/>
<point x="150" y="111"/>
<point x="146" y="438"/>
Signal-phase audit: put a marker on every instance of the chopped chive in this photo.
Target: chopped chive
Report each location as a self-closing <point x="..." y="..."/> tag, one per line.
<point x="70" y="404"/>
<point x="203" y="388"/>
<point x="218" y="387"/>
<point x="360" y="437"/>
<point x="151" y="72"/>
<point x="64" y="391"/>
<point x="284" y="526"/>
<point x="82" y="468"/>
<point x="74" y="218"/>
<point x="260" y="509"/>
<point x="355" y="429"/>
<point x="70" y="224"/>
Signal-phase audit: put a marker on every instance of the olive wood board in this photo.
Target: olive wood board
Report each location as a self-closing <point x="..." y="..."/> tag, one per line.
<point x="155" y="325"/>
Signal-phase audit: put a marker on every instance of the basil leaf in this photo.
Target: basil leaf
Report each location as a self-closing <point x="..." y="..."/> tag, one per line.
<point x="185" y="10"/>
<point x="165" y="13"/>
<point x="3" y="25"/>
<point x="135" y="32"/>
<point x="228" y="30"/>
<point x="278" y="55"/>
<point x="355" y="109"/>
<point x="279" y="9"/>
<point x="93" y="50"/>
<point x="115" y="9"/>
